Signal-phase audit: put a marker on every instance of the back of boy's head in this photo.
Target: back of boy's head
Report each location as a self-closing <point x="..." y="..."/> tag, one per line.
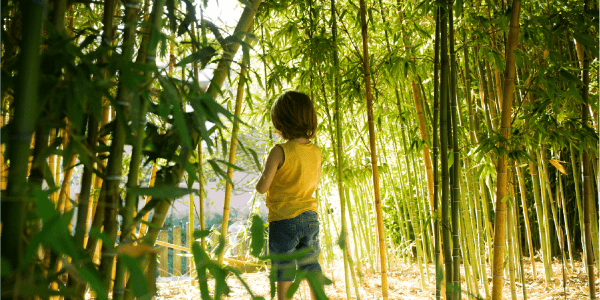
<point x="293" y="113"/>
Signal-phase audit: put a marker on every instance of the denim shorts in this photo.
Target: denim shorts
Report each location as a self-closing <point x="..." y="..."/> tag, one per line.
<point x="290" y="235"/>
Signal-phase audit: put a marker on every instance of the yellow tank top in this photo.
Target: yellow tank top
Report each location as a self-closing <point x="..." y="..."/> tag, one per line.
<point x="295" y="182"/>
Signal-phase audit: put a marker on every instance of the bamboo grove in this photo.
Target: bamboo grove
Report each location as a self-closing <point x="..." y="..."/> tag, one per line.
<point x="460" y="134"/>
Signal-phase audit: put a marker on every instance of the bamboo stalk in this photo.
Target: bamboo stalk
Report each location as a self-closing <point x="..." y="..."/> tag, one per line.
<point x="509" y="235"/>
<point x="587" y="181"/>
<point x="110" y="186"/>
<point x="413" y="218"/>
<point x="339" y="157"/>
<point x="526" y="219"/>
<point x="18" y="148"/>
<point x="439" y="273"/>
<point x="85" y="194"/>
<point x="505" y="124"/>
<point x="455" y="179"/>
<point x="378" y="211"/>
<point x="422" y="126"/>
<point x="483" y="92"/>
<point x="232" y="150"/>
<point x="444" y="98"/>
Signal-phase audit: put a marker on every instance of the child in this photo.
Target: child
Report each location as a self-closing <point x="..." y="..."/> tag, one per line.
<point x="290" y="178"/>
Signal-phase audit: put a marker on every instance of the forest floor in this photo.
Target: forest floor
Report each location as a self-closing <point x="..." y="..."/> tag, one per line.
<point x="404" y="282"/>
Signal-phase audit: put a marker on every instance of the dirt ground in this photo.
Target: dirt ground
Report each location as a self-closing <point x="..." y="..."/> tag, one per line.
<point x="403" y="283"/>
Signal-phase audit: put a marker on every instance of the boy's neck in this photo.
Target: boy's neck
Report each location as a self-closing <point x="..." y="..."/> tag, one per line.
<point x="301" y="140"/>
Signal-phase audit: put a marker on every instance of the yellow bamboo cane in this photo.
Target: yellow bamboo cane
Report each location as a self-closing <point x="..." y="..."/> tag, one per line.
<point x="232" y="149"/>
<point x="501" y="187"/>
<point x="378" y="211"/>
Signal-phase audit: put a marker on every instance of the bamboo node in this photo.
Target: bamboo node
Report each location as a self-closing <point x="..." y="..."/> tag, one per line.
<point x="123" y="103"/>
<point x="496" y="245"/>
<point x="109" y="253"/>
<point x="118" y="291"/>
<point x="132" y="4"/>
<point x="502" y="276"/>
<point x="114" y="178"/>
<point x="150" y="57"/>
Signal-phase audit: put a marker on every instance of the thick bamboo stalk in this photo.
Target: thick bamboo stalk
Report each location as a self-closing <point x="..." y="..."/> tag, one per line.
<point x="18" y="148"/>
<point x="93" y="244"/>
<point x="501" y="176"/>
<point x="444" y="99"/>
<point x="455" y="179"/>
<point x="110" y="186"/>
<point x="439" y="273"/>
<point x="373" y="148"/>
<point x="587" y="180"/>
<point x="143" y="226"/>
<point x="146" y="54"/>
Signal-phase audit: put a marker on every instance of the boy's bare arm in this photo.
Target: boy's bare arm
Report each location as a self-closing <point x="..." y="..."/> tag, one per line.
<point x="274" y="161"/>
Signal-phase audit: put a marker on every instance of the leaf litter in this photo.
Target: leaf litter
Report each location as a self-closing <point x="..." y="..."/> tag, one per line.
<point x="404" y="282"/>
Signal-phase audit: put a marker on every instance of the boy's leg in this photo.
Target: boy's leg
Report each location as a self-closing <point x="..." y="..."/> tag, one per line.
<point x="313" y="296"/>
<point x="282" y="287"/>
<point x="283" y="239"/>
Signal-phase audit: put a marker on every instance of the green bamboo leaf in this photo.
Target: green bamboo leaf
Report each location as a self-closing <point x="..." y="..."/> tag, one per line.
<point x="204" y="56"/>
<point x="300" y="275"/>
<point x="226" y="163"/>
<point x="170" y="94"/>
<point x="198" y="234"/>
<point x="201" y="260"/>
<point x="272" y="280"/>
<point x="570" y="77"/>
<point x="219" y="171"/>
<point x="252" y="154"/>
<point x="258" y="236"/>
<point x="45" y="207"/>
<point x="192" y="170"/>
<point x="317" y="281"/>
<point x="139" y="282"/>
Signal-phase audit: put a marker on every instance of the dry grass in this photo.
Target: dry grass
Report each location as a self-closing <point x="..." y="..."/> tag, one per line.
<point x="403" y="283"/>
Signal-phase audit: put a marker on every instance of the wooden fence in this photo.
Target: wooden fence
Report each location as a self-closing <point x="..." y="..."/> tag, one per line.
<point x="178" y="259"/>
